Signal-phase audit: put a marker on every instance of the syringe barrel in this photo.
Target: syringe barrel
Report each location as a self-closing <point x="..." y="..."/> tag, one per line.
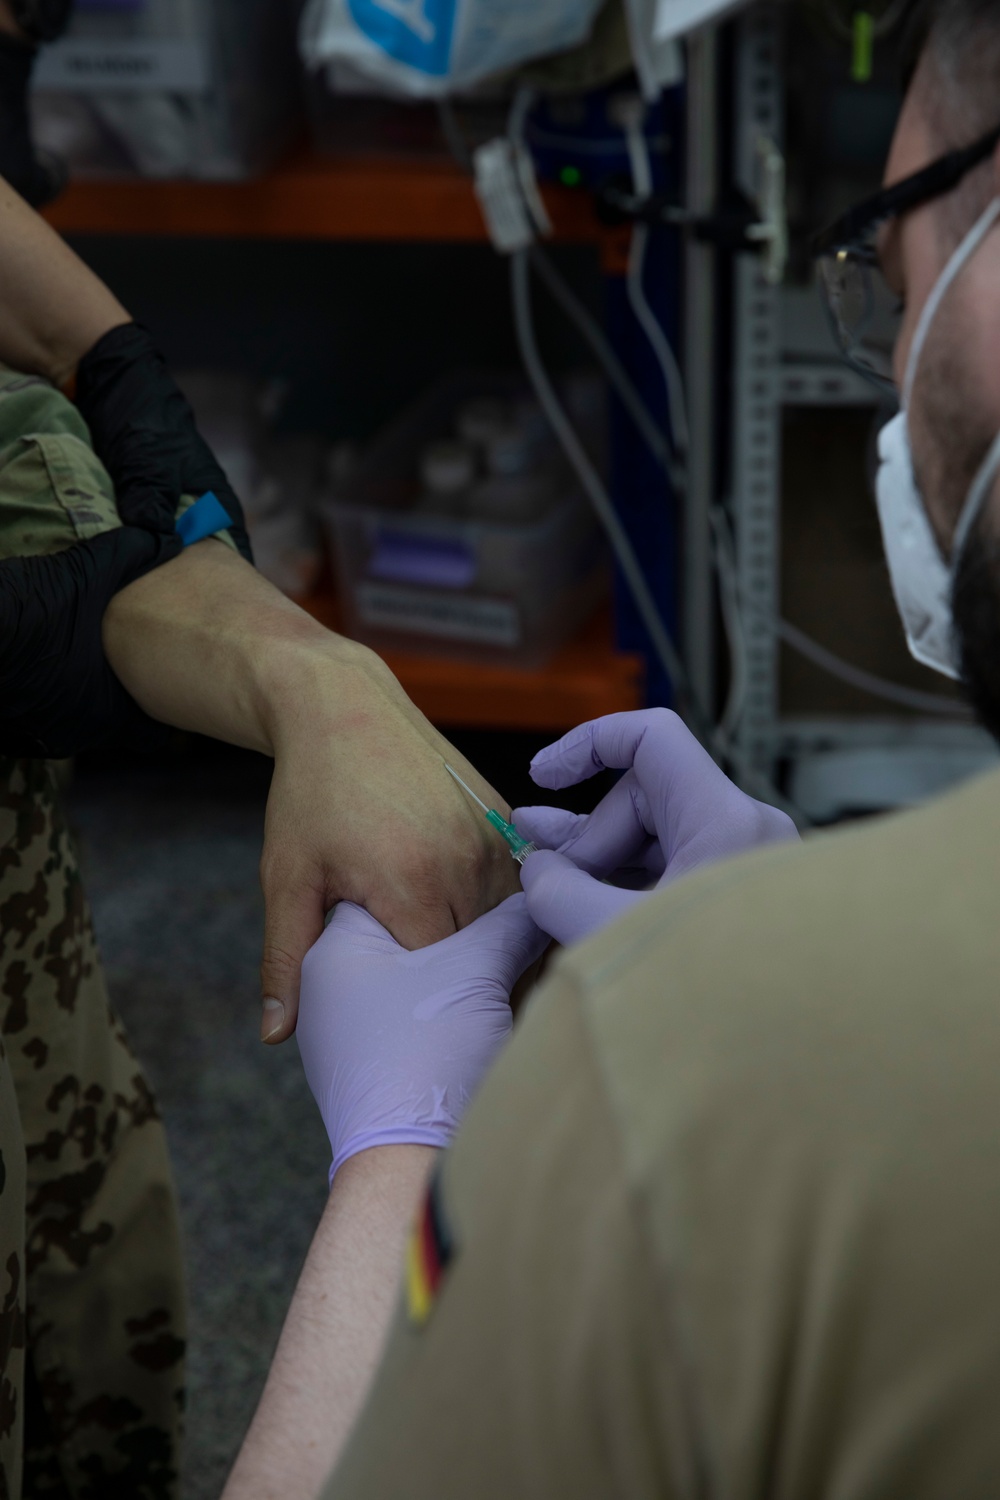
<point x="519" y="847"/>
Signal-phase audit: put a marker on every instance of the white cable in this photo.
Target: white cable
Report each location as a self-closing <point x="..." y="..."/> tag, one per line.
<point x="867" y="682"/>
<point x="713" y="739"/>
<point x="631" y="116"/>
<point x="724" y="552"/>
<point x="517" y="118"/>
<point x="732" y="620"/>
<point x="587" y="474"/>
<point x="829" y="662"/>
<point x="659" y="446"/>
<point x="655" y="438"/>
<point x="717" y="738"/>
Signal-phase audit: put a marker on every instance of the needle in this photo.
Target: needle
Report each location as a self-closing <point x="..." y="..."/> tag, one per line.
<point x="519" y="848"/>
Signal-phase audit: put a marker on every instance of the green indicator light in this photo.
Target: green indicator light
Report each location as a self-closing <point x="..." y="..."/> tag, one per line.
<point x="571" y="176"/>
<point x="863" y="57"/>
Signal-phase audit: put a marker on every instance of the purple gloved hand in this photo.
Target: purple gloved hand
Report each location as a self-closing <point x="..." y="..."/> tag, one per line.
<point x="672" y="811"/>
<point x="394" y="1043"/>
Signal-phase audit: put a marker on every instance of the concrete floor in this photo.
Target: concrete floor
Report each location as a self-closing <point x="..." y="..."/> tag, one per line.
<point x="170" y="858"/>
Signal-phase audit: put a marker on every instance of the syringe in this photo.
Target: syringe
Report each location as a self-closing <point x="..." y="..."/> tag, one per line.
<point x="519" y="848"/>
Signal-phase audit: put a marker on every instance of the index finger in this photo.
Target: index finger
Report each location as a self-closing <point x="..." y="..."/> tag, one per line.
<point x="612" y="835"/>
<point x="613" y="743"/>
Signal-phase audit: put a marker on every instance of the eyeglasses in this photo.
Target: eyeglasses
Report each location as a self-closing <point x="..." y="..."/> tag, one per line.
<point x="858" y="302"/>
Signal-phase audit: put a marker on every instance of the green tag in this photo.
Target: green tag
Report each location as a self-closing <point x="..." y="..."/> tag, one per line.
<point x="864" y="46"/>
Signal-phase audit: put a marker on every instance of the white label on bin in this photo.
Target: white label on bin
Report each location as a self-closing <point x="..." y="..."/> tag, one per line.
<point x="89" y="65"/>
<point x="454" y="617"/>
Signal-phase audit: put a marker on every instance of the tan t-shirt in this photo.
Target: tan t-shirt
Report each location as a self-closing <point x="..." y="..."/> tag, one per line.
<point x="726" y="1216"/>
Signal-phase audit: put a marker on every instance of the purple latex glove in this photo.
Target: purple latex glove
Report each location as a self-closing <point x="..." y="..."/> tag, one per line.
<point x="395" y="1043"/>
<point x="672" y="811"/>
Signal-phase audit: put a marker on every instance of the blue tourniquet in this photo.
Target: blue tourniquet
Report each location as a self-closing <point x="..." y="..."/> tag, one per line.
<point x="205" y="517"/>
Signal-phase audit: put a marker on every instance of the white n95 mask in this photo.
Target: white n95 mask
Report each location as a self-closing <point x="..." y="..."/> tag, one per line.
<point x="922" y="582"/>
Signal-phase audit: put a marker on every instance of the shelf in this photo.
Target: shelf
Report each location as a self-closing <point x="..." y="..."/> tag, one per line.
<point x="584" y="680"/>
<point x="378" y="199"/>
<point x="308" y="197"/>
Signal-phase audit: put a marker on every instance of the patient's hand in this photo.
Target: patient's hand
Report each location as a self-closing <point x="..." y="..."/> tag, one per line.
<point x="362" y="809"/>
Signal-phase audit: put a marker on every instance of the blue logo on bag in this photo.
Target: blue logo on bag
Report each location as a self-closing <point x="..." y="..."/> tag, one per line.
<point x="415" y="32"/>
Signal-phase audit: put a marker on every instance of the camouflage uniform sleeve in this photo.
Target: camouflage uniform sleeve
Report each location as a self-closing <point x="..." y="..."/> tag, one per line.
<point x="92" y="1304"/>
<point x="54" y="490"/>
<point x="101" y="1272"/>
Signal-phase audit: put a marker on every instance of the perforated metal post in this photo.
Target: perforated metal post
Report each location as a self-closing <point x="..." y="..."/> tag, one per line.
<point x="699" y="370"/>
<point x="822" y="753"/>
<point x="756" y="433"/>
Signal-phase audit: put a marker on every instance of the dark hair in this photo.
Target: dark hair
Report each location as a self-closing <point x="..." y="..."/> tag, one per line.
<point x="955" y="46"/>
<point x="962" y="42"/>
<point x="916" y="30"/>
<point x="975" y="609"/>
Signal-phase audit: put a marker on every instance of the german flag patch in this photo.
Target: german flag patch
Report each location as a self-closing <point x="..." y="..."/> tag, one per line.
<point x="428" y="1253"/>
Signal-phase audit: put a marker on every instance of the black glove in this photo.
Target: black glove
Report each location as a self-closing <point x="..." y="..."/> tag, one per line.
<point x="58" y="694"/>
<point x="144" y="432"/>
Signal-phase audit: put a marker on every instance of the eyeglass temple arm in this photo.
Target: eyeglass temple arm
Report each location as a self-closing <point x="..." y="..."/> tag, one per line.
<point x="930" y="182"/>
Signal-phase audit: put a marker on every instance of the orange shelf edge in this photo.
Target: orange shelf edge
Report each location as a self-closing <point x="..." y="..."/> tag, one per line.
<point x="310" y="197"/>
<point x="307" y="197"/>
<point x="584" y="680"/>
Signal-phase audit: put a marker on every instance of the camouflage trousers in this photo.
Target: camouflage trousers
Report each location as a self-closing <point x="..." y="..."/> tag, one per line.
<point x="92" y="1316"/>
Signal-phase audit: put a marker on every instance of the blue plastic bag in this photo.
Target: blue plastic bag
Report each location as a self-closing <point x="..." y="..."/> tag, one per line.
<point x="433" y="47"/>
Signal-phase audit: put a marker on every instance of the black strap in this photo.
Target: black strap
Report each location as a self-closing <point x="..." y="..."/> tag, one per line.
<point x="58" y="694"/>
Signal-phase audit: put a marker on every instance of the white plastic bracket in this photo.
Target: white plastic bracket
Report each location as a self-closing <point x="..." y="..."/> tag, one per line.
<point x="508" y="195"/>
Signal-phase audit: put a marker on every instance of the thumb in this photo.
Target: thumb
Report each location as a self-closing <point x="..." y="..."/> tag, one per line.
<point x="293" y="920"/>
<point x="567" y="903"/>
<point x="504" y="941"/>
<point x="548" y="827"/>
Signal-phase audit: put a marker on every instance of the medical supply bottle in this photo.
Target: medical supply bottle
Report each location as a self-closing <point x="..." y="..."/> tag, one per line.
<point x="518" y="485"/>
<point x="447" y="471"/>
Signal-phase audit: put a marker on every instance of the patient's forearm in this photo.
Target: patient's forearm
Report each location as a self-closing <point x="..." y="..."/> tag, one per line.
<point x="205" y="643"/>
<point x="360" y="807"/>
<point x="53" y="309"/>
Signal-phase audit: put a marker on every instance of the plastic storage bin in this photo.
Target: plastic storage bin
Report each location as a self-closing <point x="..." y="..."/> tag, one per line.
<point x="426" y="561"/>
<point x="279" y="479"/>
<point x="170" y="88"/>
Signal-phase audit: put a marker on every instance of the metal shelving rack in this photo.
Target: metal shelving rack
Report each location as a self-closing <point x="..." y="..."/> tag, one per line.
<point x="756" y="458"/>
<point x="341" y="199"/>
<point x="832" y="764"/>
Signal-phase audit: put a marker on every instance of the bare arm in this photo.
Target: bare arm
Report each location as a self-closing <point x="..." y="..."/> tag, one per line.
<point x="52" y="307"/>
<point x="360" y="808"/>
<point x="336" y="1325"/>
<point x="205" y="643"/>
<point x="394" y="1047"/>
